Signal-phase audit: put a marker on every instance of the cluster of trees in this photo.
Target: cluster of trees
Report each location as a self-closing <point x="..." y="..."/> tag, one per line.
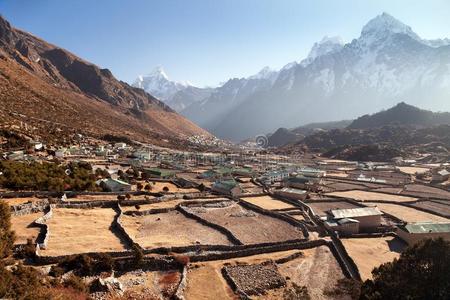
<point x="47" y="176"/>
<point x="422" y="272"/>
<point x="12" y="140"/>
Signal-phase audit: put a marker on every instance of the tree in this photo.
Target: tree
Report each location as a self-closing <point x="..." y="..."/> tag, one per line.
<point x="139" y="186"/>
<point x="128" y="196"/>
<point x="201" y="187"/>
<point x="421" y="272"/>
<point x="165" y="189"/>
<point x="7" y="236"/>
<point x="148" y="187"/>
<point x="138" y="254"/>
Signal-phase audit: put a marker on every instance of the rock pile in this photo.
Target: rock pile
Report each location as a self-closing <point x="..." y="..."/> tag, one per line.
<point x="255" y="279"/>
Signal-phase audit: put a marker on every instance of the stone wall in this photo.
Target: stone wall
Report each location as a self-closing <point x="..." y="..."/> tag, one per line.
<point x="294" y="222"/>
<point x="233" y="239"/>
<point x="29" y="208"/>
<point x="179" y="294"/>
<point x="44" y="235"/>
<point x="118" y="228"/>
<point x="258" y="249"/>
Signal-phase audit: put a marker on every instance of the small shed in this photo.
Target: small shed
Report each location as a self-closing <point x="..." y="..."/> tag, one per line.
<point x="369" y="218"/>
<point x="114" y="185"/>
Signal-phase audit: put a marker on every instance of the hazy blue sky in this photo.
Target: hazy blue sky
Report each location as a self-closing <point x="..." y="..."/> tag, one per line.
<point x="208" y="41"/>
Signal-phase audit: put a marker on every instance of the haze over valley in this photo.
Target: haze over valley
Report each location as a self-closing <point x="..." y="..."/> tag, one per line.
<point x="388" y="63"/>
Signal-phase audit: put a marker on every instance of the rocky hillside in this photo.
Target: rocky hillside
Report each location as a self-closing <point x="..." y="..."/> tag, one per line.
<point x="403" y="114"/>
<point x="282" y="137"/>
<point x="48" y="91"/>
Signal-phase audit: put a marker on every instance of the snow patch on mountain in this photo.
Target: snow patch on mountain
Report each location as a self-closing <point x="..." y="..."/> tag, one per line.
<point x="158" y="84"/>
<point x="325" y="46"/>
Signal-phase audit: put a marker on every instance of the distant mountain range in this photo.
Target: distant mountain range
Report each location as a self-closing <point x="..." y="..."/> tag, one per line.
<point x="388" y="63"/>
<point x="49" y="92"/>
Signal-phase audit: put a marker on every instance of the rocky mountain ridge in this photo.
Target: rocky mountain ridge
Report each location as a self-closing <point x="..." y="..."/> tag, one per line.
<point x="48" y="89"/>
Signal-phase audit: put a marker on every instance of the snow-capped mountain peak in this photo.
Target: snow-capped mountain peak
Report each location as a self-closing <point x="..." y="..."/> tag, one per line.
<point x="158" y="72"/>
<point x="159" y="85"/>
<point x="265" y="73"/>
<point x="383" y="25"/>
<point x="325" y="46"/>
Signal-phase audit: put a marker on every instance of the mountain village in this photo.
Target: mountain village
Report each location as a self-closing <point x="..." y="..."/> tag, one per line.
<point x="242" y="219"/>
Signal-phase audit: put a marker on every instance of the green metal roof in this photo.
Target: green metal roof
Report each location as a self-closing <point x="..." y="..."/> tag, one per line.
<point x="159" y="171"/>
<point x="226" y="184"/>
<point x="426" y="227"/>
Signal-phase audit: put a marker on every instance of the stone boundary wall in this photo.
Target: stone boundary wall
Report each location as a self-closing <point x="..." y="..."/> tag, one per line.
<point x="199" y="196"/>
<point x="87" y="204"/>
<point x="118" y="227"/>
<point x="217" y="227"/>
<point x="29" y="208"/>
<point x="46" y="260"/>
<point x="258" y="249"/>
<point x="349" y="268"/>
<point x="179" y="294"/>
<point x="217" y="248"/>
<point x="368" y="235"/>
<point x="44" y="235"/>
<point x="292" y="221"/>
<point x="190" y="203"/>
<point x="139" y="213"/>
<point x="289" y="258"/>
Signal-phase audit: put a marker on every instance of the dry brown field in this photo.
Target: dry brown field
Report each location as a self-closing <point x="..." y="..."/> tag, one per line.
<point x="341" y="186"/>
<point x="436" y="207"/>
<point x="268" y="202"/>
<point x="17" y="201"/>
<point x="370" y="196"/>
<point x="337" y="174"/>
<point x="298" y="217"/>
<point x="249" y="226"/>
<point x="369" y="253"/>
<point x="81" y="230"/>
<point x="317" y="269"/>
<point x="22" y="227"/>
<point x="162" y="204"/>
<point x="407" y="214"/>
<point x="426" y="191"/>
<point x="413" y="170"/>
<point x="170" y="229"/>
